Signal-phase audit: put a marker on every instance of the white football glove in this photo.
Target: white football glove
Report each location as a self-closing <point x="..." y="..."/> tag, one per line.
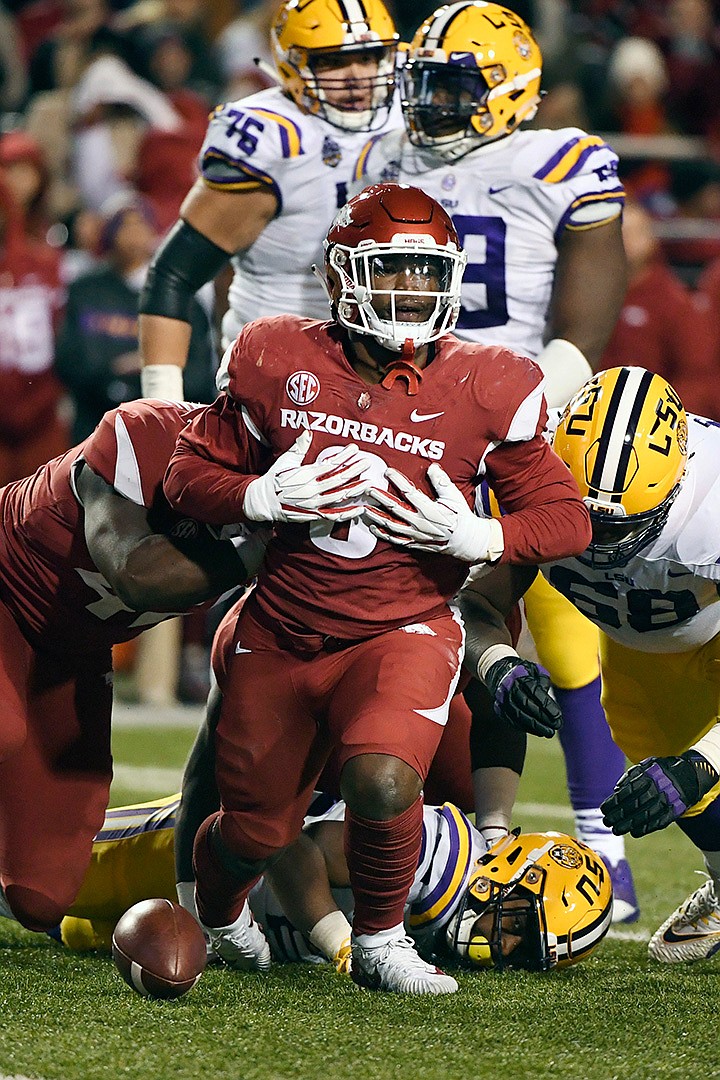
<point x="446" y="525"/>
<point x="290" y="491"/>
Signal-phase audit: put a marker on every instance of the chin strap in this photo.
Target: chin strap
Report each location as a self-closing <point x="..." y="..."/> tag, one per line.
<point x="404" y="369"/>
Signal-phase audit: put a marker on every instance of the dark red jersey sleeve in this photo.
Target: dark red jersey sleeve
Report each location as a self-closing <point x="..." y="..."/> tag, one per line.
<point x="131" y="446"/>
<point x="544" y="516"/>
<point x="216" y="457"/>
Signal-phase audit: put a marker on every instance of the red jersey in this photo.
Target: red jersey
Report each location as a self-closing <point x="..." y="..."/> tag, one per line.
<point x="478" y="411"/>
<point x="47" y="579"/>
<point x="664" y="327"/>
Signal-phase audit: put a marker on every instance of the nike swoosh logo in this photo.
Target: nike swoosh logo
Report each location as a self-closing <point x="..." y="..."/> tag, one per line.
<point x="417" y="418"/>
<point x="497" y="190"/>
<point x="239" y="649"/>
<point x="671" y="937"/>
<point x="679" y="573"/>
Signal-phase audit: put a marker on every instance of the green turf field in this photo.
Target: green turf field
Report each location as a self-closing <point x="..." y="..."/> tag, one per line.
<point x="71" y="1017"/>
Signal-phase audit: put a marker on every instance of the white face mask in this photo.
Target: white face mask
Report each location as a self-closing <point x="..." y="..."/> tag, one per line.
<point x="365" y="307"/>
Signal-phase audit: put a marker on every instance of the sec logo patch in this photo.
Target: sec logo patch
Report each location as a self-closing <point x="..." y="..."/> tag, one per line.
<point x="302" y="387"/>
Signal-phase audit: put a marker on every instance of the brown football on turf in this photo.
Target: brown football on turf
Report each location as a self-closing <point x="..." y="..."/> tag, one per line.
<point x="159" y="949"/>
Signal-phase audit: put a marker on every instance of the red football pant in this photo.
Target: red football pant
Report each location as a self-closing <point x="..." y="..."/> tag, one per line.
<point x="282" y="715"/>
<point x="54" y="788"/>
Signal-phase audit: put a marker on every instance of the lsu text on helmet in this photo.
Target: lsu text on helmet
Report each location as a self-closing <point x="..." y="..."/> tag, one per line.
<point x="394" y="266"/>
<point x="624" y="438"/>
<point x="336" y="59"/>
<point x="472" y="75"/>
<point x="535" y="901"/>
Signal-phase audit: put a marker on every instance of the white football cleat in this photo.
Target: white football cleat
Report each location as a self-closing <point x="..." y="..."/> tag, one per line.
<point x="395" y="966"/>
<point x="693" y="930"/>
<point x="241" y="945"/>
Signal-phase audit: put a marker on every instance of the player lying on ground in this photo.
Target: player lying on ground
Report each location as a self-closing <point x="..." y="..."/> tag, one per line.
<point x="535" y="901"/>
<point x="304" y="913"/>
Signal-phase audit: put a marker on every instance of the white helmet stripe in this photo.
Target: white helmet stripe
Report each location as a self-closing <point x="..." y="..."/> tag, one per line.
<point x="439" y="26"/>
<point x="354" y="12"/>
<point x="614" y="450"/>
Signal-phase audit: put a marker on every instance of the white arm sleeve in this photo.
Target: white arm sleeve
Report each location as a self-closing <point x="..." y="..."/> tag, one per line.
<point x="565" y="370"/>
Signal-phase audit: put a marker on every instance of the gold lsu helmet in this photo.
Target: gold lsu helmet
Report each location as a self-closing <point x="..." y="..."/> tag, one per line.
<point x="536" y="901"/>
<point x="311" y="37"/>
<point x="624" y="438"/>
<point x="472" y="75"/>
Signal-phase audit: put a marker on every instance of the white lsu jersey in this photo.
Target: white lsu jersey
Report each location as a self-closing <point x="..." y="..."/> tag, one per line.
<point x="266" y="140"/>
<point x="451" y="845"/>
<point x="666" y="598"/>
<point x="510" y="201"/>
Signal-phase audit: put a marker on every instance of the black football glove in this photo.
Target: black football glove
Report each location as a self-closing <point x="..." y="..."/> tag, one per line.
<point x="522" y="693"/>
<point x="656" y="792"/>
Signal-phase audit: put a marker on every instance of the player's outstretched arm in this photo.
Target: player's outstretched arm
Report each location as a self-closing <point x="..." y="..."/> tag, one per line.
<point x="153" y="570"/>
<point x="657" y="791"/>
<point x="520" y="689"/>
<point x="588" y="292"/>
<point x="213" y="226"/>
<point x="301" y="880"/>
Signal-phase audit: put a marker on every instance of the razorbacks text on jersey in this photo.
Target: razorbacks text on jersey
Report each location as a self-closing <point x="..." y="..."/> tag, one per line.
<point x="48" y="580"/>
<point x="478" y="411"/>
<point x="666" y="598"/>
<point x="133" y="859"/>
<point x="510" y="201"/>
<point x="307" y="163"/>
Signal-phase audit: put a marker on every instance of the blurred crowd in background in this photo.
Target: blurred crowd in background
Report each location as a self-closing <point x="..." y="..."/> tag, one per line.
<point x="103" y="108"/>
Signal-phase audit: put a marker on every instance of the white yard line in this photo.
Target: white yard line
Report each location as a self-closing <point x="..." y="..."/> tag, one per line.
<point x="168" y="780"/>
<point x="184" y="716"/>
<point x="147" y="777"/>
<point x="628" y="935"/>
<point x="541" y="809"/>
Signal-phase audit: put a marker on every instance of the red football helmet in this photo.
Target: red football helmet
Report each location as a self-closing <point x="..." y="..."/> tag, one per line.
<point x="387" y="237"/>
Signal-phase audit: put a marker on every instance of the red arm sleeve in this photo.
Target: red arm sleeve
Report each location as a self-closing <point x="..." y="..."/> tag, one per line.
<point x="215" y="460"/>
<point x="545" y="517"/>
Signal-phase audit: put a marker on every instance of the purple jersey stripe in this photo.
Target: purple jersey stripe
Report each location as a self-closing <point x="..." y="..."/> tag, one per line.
<point x="557" y="157"/>
<point x="460" y="848"/>
<point x="135" y="830"/>
<point x="576" y="168"/>
<point x="615" y="195"/>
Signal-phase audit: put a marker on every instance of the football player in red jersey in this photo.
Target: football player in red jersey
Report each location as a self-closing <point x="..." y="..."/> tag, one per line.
<point x="90" y="555"/>
<point x="348" y="642"/>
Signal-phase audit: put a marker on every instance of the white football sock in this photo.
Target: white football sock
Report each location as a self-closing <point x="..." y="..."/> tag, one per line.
<point x="590" y="829"/>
